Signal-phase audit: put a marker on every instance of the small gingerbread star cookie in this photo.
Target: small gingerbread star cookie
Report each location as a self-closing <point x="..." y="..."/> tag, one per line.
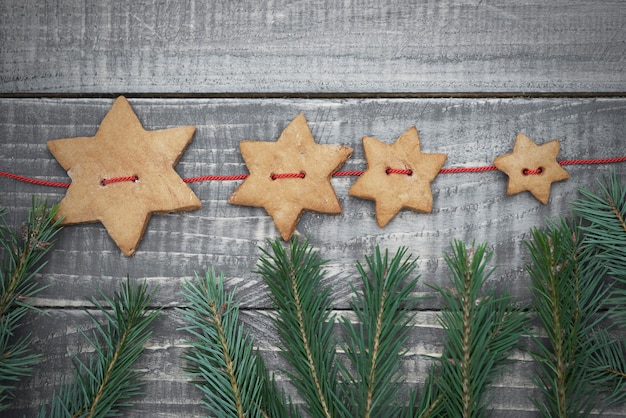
<point x="290" y="176"/>
<point x="397" y="176"/>
<point x="532" y="167"/>
<point x="123" y="174"/>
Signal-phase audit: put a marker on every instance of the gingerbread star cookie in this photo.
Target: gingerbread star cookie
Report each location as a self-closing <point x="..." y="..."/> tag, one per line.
<point x="290" y="176"/>
<point x="532" y="167"/>
<point x="397" y="176"/>
<point x="123" y="174"/>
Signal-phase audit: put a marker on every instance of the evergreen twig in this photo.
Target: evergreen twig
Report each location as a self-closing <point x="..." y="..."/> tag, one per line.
<point x="222" y="360"/>
<point x="376" y="345"/>
<point x="605" y="231"/>
<point x="430" y="404"/>
<point x="604" y="216"/>
<point x="568" y="298"/>
<point x="481" y="329"/>
<point x="105" y="383"/>
<point x="608" y="366"/>
<point x="275" y="402"/>
<point x="22" y="253"/>
<point x="305" y="324"/>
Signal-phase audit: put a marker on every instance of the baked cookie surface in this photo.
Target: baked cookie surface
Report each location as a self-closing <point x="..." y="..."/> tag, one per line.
<point x="123" y="174"/>
<point x="290" y="176"/>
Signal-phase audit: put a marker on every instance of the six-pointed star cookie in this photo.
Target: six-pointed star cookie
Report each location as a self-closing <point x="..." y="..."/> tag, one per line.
<point x="122" y="149"/>
<point x="391" y="190"/>
<point x="532" y="167"/>
<point x="290" y="175"/>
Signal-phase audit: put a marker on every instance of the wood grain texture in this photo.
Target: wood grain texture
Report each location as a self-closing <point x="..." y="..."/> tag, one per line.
<point x="486" y="50"/>
<point x="247" y="46"/>
<point x="466" y="206"/>
<point x="168" y="391"/>
<point x="470" y="206"/>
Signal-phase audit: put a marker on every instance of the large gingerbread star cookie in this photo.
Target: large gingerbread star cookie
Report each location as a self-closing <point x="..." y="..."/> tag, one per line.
<point x="290" y="176"/>
<point x="123" y="174"/>
<point x="397" y="176"/>
<point x="532" y="167"/>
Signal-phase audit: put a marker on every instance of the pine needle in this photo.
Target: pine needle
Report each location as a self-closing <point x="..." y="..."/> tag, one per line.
<point x="431" y="401"/>
<point x="376" y="345"/>
<point x="105" y="383"/>
<point x="608" y="366"/>
<point x="604" y="239"/>
<point x="22" y="253"/>
<point x="222" y="360"/>
<point x="605" y="232"/>
<point x="481" y="329"/>
<point x="568" y="298"/>
<point x="305" y="324"/>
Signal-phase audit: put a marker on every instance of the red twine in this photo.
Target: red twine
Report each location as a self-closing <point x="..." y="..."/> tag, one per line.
<point x="347" y="173"/>
<point x="398" y="171"/>
<point x="467" y="169"/>
<point x="453" y="170"/>
<point x="34" y="181"/>
<point x="287" y="176"/>
<point x="528" y="172"/>
<point x="597" y="161"/>
<point x="104" y="182"/>
<point x="215" y="178"/>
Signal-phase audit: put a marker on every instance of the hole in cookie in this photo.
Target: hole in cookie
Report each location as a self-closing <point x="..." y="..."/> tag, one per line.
<point x="390" y="170"/>
<point x="300" y="175"/>
<point x="528" y="172"/>
<point x="134" y="178"/>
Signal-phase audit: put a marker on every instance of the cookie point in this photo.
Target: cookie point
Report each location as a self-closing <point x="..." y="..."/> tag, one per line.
<point x="286" y="235"/>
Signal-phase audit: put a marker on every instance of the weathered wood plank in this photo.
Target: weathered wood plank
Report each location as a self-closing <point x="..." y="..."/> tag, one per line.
<point x="167" y="391"/>
<point x="57" y="336"/>
<point x="466" y="206"/>
<point x="247" y="46"/>
<point x="264" y="49"/>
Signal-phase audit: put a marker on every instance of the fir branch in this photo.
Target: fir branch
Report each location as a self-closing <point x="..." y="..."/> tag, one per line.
<point x="481" y="329"/>
<point x="304" y="324"/>
<point x="604" y="239"/>
<point x="568" y="299"/>
<point x="430" y="404"/>
<point x="608" y="365"/>
<point x="605" y="231"/>
<point x="375" y="347"/>
<point x="107" y="381"/>
<point x="275" y="403"/>
<point x="22" y="254"/>
<point x="222" y="360"/>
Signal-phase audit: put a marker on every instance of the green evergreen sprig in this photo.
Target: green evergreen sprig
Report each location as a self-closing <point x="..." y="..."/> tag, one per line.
<point x="22" y="252"/>
<point x="430" y="402"/>
<point x="604" y="239"/>
<point x="107" y="381"/>
<point x="276" y="403"/>
<point x="605" y="232"/>
<point x="481" y="327"/>
<point x="375" y="346"/>
<point x="305" y="324"/>
<point x="568" y="298"/>
<point x="481" y="330"/>
<point x="222" y="360"/>
<point x="608" y="367"/>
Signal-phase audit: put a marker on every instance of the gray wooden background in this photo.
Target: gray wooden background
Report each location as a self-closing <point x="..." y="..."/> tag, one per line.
<point x="468" y="74"/>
